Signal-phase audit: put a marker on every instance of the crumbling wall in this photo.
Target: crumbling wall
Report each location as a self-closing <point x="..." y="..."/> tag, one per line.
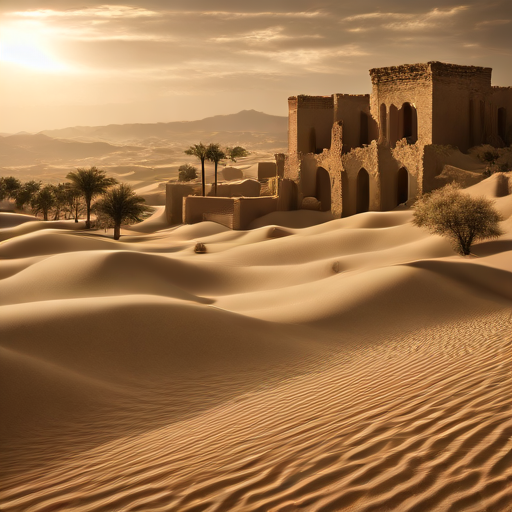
<point x="360" y="158"/>
<point x="457" y="91"/>
<point x="353" y="111"/>
<point x="280" y="164"/>
<point x="310" y="120"/>
<point x="409" y="156"/>
<point x="502" y="99"/>
<point x="396" y="85"/>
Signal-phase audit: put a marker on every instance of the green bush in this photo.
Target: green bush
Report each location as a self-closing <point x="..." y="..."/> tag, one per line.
<point x="187" y="172"/>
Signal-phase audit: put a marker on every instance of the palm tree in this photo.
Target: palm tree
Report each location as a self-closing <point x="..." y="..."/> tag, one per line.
<point x="199" y="151"/>
<point x="215" y="154"/>
<point x="43" y="201"/>
<point x="122" y="205"/>
<point x="91" y="183"/>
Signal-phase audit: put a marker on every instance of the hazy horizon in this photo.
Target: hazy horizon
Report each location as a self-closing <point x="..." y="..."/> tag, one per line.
<point x="96" y="64"/>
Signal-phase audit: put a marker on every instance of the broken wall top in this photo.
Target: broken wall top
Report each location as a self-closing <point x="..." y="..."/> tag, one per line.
<point x="316" y="102"/>
<point x="429" y="71"/>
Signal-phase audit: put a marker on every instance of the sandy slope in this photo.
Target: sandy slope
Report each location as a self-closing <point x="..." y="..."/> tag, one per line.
<point x="356" y="364"/>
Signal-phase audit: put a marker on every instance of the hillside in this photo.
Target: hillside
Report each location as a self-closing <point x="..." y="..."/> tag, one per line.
<point x="27" y="149"/>
<point x="249" y="121"/>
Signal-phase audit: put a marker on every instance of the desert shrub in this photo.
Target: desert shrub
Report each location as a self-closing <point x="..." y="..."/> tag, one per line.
<point x="451" y="213"/>
<point x="187" y="172"/>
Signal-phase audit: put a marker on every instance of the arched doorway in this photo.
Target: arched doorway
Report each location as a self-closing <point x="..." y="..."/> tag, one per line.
<point x="502" y="124"/>
<point x="363" y="191"/>
<point x="402" y="186"/>
<point x="383" y="123"/>
<point x="323" y="189"/>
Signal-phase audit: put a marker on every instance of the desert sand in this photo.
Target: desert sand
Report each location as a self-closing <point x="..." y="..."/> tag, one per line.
<point x="357" y="364"/>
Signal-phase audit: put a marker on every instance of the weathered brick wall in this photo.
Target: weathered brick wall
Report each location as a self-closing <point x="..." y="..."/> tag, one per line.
<point x="360" y="158"/>
<point x="457" y="90"/>
<point x="292" y="125"/>
<point x="349" y="109"/>
<point x="502" y="99"/>
<point x="394" y="86"/>
<point x="409" y="156"/>
<point x="310" y="122"/>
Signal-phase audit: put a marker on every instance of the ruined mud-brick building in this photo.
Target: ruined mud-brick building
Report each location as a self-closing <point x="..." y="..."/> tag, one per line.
<point x="355" y="153"/>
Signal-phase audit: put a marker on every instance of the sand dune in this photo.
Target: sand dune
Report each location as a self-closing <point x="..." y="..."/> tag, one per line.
<point x="357" y="364"/>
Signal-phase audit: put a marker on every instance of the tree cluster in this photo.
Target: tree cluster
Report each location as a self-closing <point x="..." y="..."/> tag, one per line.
<point x="214" y="153"/>
<point x="116" y="203"/>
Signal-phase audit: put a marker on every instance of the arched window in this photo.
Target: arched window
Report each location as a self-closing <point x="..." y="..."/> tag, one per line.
<point x="407" y="120"/>
<point x="363" y="191"/>
<point x="323" y="189"/>
<point x="402" y="186"/>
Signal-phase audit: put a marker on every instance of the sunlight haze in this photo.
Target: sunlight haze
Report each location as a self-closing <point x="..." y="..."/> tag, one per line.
<point x="92" y="63"/>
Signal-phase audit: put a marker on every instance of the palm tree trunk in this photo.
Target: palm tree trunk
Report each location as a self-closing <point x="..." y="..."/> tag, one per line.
<point x="117" y="231"/>
<point x="202" y="176"/>
<point x="88" y="221"/>
<point x="216" y="163"/>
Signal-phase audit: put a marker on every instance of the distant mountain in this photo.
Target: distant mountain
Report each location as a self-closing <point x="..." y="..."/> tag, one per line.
<point x="26" y="149"/>
<point x="245" y="121"/>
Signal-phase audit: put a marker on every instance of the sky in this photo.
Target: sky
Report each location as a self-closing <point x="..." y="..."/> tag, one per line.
<point x="81" y="62"/>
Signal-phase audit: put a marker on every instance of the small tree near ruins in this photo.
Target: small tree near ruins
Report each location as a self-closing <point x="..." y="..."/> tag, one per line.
<point x="458" y="216"/>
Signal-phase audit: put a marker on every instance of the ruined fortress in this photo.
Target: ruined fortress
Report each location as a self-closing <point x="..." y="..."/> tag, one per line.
<point x="372" y="152"/>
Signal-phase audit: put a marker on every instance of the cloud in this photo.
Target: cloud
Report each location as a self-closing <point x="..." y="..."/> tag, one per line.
<point x="263" y="36"/>
<point x="404" y="20"/>
<point x="102" y="11"/>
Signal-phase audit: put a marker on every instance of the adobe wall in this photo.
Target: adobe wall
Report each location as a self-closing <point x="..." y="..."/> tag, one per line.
<point x="174" y="194"/>
<point x="349" y="109"/>
<point x="310" y="120"/>
<point x="409" y="156"/>
<point x="246" y="188"/>
<point x="195" y="206"/>
<point x="248" y="209"/>
<point x="502" y="98"/>
<point x="352" y="162"/>
<point x="396" y="85"/>
<point x="457" y="111"/>
<point x="280" y="163"/>
<point x="266" y="170"/>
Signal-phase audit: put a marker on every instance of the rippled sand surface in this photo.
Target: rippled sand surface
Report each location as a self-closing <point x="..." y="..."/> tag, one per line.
<point x="353" y="365"/>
